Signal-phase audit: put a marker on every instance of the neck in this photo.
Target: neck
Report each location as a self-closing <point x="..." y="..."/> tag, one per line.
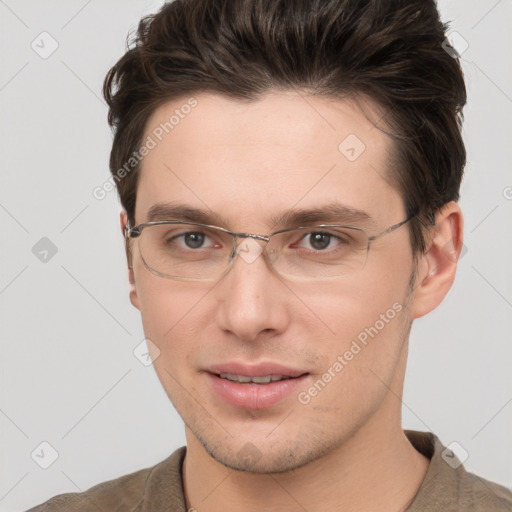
<point x="374" y="470"/>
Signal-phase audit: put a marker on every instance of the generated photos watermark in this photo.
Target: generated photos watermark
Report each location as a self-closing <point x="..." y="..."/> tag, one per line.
<point x="151" y="142"/>
<point x="361" y="341"/>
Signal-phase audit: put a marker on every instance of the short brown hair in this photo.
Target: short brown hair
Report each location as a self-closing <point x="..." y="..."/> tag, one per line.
<point x="392" y="51"/>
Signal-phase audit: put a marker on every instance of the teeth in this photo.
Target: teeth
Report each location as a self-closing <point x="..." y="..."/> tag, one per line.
<point x="256" y="380"/>
<point x="262" y="380"/>
<point x="236" y="378"/>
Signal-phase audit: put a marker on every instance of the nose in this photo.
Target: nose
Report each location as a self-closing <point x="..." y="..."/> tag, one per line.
<point x="251" y="298"/>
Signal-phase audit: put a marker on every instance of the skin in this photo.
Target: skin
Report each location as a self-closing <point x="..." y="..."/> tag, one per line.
<point x="248" y="161"/>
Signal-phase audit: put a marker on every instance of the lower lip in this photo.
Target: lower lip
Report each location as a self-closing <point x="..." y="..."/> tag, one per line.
<point x="254" y="396"/>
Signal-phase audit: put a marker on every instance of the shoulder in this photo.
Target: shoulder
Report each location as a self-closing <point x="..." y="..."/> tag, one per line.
<point x="487" y="496"/>
<point x="448" y="486"/>
<point x="133" y="492"/>
<point x="125" y="492"/>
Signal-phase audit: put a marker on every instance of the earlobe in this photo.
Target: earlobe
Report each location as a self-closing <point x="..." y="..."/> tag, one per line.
<point x="134" y="299"/>
<point x="123" y="217"/>
<point x="438" y="265"/>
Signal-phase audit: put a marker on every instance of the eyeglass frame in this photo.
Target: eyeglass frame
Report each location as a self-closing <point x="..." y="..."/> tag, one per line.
<point x="136" y="231"/>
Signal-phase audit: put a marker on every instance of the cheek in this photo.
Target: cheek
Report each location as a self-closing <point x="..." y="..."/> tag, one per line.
<point x="170" y="317"/>
<point x="361" y="354"/>
<point x="360" y="330"/>
<point x="171" y="314"/>
<point x="343" y="308"/>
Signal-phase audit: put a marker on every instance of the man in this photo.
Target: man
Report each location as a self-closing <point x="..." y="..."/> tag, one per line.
<point x="289" y="172"/>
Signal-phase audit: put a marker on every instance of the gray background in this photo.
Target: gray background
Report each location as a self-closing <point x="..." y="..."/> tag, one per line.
<point x="68" y="373"/>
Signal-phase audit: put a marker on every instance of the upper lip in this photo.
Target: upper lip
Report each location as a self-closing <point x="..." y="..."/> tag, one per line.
<point x="255" y="370"/>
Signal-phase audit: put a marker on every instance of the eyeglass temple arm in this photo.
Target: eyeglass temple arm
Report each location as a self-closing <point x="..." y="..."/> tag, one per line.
<point x="391" y="228"/>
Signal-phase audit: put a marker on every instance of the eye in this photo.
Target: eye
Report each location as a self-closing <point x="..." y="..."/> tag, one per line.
<point x="319" y="241"/>
<point x="194" y="240"/>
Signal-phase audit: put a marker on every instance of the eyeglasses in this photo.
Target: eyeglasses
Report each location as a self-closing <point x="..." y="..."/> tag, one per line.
<point x="190" y="251"/>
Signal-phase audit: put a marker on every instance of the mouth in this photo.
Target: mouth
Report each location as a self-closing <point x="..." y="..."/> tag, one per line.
<point x="254" y="386"/>
<point x="245" y="379"/>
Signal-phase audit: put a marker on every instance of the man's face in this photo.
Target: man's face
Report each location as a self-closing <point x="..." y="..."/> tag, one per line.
<point x="249" y="163"/>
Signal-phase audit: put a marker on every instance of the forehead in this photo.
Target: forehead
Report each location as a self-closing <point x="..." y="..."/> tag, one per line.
<point x="250" y="161"/>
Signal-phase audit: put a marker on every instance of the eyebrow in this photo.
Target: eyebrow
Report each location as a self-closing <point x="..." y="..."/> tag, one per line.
<point x="333" y="213"/>
<point x="175" y="211"/>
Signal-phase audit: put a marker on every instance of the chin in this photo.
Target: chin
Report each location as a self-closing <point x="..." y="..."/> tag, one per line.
<point x="276" y="457"/>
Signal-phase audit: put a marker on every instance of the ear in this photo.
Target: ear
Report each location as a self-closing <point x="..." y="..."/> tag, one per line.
<point x="437" y="266"/>
<point x="134" y="299"/>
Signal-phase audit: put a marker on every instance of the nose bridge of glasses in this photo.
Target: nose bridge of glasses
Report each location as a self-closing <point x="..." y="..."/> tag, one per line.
<point x="247" y="246"/>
